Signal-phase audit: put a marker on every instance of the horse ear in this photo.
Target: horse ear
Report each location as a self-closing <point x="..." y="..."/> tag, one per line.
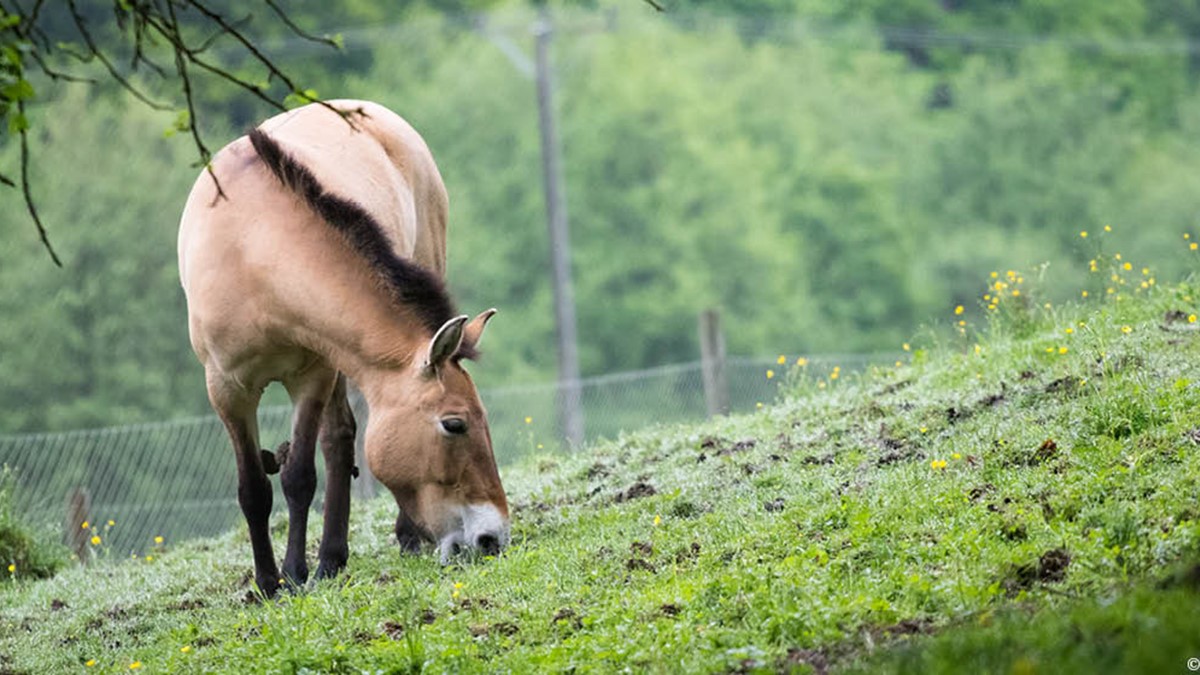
<point x="474" y="329"/>
<point x="444" y="344"/>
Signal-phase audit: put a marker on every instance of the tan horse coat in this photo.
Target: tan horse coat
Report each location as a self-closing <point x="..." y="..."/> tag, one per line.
<point x="301" y="267"/>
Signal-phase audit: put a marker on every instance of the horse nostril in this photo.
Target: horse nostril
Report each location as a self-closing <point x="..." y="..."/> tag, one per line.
<point x="489" y="544"/>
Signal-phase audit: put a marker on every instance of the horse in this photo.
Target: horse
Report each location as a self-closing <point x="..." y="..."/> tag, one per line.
<point x="311" y="251"/>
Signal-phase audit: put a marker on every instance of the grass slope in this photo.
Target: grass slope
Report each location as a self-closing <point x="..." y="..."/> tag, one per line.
<point x="1025" y="505"/>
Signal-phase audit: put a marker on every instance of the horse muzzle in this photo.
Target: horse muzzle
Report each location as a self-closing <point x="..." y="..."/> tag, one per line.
<point x="482" y="530"/>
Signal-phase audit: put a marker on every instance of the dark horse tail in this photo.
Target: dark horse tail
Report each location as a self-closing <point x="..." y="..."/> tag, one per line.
<point x="411" y="285"/>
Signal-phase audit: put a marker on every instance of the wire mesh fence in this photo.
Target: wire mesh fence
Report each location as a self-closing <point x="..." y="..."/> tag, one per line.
<point x="178" y="479"/>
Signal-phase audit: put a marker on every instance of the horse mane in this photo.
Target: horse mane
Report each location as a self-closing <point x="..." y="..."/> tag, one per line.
<point x="410" y="285"/>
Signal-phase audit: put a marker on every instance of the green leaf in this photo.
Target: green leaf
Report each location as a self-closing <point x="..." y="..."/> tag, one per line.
<point x="20" y="90"/>
<point x="299" y="98"/>
<point x="18" y="123"/>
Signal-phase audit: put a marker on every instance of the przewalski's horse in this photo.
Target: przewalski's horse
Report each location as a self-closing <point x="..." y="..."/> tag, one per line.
<point x="321" y="256"/>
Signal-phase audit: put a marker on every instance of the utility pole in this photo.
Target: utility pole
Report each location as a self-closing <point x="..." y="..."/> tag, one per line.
<point x="569" y="399"/>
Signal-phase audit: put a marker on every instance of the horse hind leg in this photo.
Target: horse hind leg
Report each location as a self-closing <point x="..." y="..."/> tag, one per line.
<point x="309" y="394"/>
<point x="337" y="444"/>
<point x="237" y="409"/>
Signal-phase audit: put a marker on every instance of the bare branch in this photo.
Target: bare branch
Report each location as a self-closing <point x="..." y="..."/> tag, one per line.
<point x="29" y="205"/>
<point x="81" y="24"/>
<point x="181" y="59"/>
<point x="7" y="181"/>
<point x="287" y="20"/>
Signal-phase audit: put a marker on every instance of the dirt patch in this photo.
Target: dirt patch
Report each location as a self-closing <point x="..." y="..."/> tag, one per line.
<point x="992" y="400"/>
<point x="639" y="551"/>
<point x="1027" y="375"/>
<point x="392" y="629"/>
<point x="741" y="446"/>
<point x="638" y="490"/>
<point x="1051" y="567"/>
<point x="774" y="506"/>
<point x="818" y="459"/>
<point x="816" y="659"/>
<point x="710" y="442"/>
<point x="567" y="616"/>
<point x="1047" y="450"/>
<point x="427" y="616"/>
<point x="187" y="605"/>
<point x="1060" y="385"/>
<point x="689" y="553"/>
<point x="642" y="548"/>
<point x="505" y="628"/>
<point x="670" y="609"/>
<point x="955" y="414"/>
<point x="472" y="603"/>
<point x="598" y="470"/>
<point x="57" y="604"/>
<point x="636" y="564"/>
<point x="976" y="493"/>
<point x="905" y="627"/>
<point x="1193" y="435"/>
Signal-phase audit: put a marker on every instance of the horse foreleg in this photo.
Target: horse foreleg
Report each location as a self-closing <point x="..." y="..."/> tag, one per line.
<point x="337" y="444"/>
<point x="238" y="410"/>
<point x="299" y="474"/>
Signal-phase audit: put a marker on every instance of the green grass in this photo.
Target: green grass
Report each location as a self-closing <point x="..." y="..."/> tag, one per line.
<point x="824" y="532"/>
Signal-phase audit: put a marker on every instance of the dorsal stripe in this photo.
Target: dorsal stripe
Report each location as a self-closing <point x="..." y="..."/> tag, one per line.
<point x="412" y="286"/>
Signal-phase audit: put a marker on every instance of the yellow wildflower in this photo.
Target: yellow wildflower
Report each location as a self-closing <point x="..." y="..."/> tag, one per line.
<point x="1191" y="318"/>
<point x="801" y="361"/>
<point x="770" y="373"/>
<point x="135" y="665"/>
<point x="958" y="310"/>
<point x="657" y="520"/>
<point x="938" y="464"/>
<point x="1126" y="329"/>
<point x="1193" y="246"/>
<point x="1062" y="350"/>
<point x="1108" y="228"/>
<point x="90" y="662"/>
<point x="95" y="540"/>
<point x="85" y="525"/>
<point x="1084" y="294"/>
<point x="906" y="347"/>
<point x="1070" y="330"/>
<point x="149" y="558"/>
<point x="995" y="274"/>
<point x="1016" y="292"/>
<point x="898" y="364"/>
<point x="12" y="568"/>
<point x="1127" y="266"/>
<point x="158" y="539"/>
<point x="111" y="523"/>
<point x="956" y="456"/>
<point x="1083" y="234"/>
<point x="528" y="420"/>
<point x="185" y="649"/>
<point x="781" y="360"/>
<point x="759" y="405"/>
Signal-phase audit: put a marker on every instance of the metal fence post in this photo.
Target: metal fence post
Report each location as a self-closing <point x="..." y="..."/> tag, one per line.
<point x="712" y="363"/>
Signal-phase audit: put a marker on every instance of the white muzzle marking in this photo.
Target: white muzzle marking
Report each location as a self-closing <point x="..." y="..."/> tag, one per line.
<point x="469" y="524"/>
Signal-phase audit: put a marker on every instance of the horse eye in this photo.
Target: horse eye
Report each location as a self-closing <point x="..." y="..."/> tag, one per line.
<point x="455" y="426"/>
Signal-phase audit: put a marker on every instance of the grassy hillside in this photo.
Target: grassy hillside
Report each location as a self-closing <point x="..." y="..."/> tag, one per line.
<point x="1017" y="498"/>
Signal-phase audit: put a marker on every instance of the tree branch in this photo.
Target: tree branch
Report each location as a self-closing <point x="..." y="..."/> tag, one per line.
<point x="29" y="205"/>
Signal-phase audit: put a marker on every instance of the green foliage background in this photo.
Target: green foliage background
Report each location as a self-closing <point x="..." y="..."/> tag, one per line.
<point x="818" y="170"/>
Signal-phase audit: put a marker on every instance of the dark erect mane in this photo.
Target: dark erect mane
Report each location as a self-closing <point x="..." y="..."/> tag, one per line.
<point x="412" y="286"/>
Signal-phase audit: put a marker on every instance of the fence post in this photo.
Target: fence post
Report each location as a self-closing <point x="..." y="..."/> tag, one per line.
<point x="79" y="503"/>
<point x="712" y="363"/>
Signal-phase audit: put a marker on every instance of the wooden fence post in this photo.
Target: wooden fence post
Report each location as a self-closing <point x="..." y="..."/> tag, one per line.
<point x="79" y="504"/>
<point x="712" y="363"/>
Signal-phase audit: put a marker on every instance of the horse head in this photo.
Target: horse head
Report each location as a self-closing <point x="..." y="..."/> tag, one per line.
<point x="430" y="446"/>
